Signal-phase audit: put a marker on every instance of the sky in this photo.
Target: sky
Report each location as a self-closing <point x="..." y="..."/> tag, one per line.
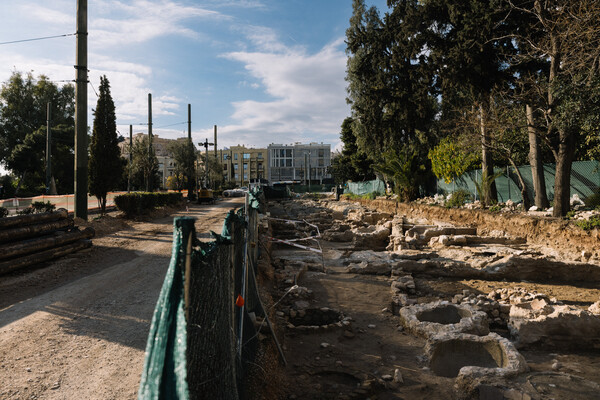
<point x="263" y="71"/>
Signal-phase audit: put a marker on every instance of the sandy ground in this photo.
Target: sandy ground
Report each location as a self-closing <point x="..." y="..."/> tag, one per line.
<point x="76" y="328"/>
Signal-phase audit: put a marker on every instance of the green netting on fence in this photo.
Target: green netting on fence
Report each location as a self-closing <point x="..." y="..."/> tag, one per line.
<point x="585" y="180"/>
<point x="361" y="188"/>
<point x="202" y="341"/>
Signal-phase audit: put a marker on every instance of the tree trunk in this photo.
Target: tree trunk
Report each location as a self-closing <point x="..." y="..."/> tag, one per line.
<point x="524" y="195"/>
<point x="22" y="262"/>
<point x="562" y="180"/>
<point x="36" y="245"/>
<point x="535" y="160"/>
<point x="24" y="232"/>
<point x="22" y="220"/>
<point x="487" y="163"/>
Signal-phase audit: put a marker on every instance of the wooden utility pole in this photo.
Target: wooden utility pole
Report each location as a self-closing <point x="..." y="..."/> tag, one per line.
<point x="48" y="147"/>
<point x="149" y="177"/>
<point x="81" y="81"/>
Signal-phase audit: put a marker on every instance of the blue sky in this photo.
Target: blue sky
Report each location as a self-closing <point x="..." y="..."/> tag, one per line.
<point x="264" y="71"/>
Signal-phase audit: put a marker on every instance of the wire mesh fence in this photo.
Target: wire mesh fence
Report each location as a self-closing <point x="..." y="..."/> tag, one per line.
<point x="585" y="181"/>
<point x="202" y="338"/>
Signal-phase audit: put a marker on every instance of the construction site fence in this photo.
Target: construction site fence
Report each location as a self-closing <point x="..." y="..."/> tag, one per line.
<point x="66" y="201"/>
<point x="202" y="338"/>
<point x="376" y="186"/>
<point x="585" y="181"/>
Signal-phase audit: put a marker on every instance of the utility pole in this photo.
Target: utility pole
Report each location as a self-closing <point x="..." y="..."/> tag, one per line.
<point x="191" y="162"/>
<point x="149" y="177"/>
<point x="48" y="148"/>
<point x="130" y="157"/>
<point x="81" y="81"/>
<point x="215" y="128"/>
<point x="205" y="144"/>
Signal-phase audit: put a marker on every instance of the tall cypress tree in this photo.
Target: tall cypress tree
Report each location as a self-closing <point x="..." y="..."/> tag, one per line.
<point x="105" y="164"/>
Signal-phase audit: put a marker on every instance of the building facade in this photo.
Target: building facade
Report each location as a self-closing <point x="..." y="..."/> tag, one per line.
<point x="241" y="164"/>
<point x="299" y="162"/>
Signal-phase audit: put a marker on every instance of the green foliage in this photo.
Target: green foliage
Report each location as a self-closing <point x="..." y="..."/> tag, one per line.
<point x="449" y="160"/>
<point x="352" y="164"/>
<point x="589" y="224"/>
<point x="144" y="166"/>
<point x="133" y="204"/>
<point x="41" y="207"/>
<point x="495" y="208"/>
<point x="405" y="170"/>
<point x="593" y="200"/>
<point x="3" y="212"/>
<point x="458" y="199"/>
<point x="184" y="154"/>
<point x="484" y="187"/>
<point x="105" y="166"/>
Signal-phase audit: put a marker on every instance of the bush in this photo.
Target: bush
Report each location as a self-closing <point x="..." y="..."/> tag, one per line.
<point x="589" y="224"/>
<point x="458" y="198"/>
<point x="41" y="207"/>
<point x="3" y="212"/>
<point x="593" y="200"/>
<point x="133" y="204"/>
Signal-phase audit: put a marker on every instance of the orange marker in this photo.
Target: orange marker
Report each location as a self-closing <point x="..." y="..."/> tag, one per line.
<point x="239" y="301"/>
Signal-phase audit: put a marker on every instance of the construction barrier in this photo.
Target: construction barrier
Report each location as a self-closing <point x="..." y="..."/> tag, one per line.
<point x="376" y="186"/>
<point x="585" y="180"/>
<point x="203" y="339"/>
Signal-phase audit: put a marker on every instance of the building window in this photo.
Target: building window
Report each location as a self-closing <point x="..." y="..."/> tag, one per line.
<point x="245" y="177"/>
<point x="236" y="177"/>
<point x="259" y="155"/>
<point x="259" y="166"/>
<point x="235" y="156"/>
<point x="235" y="167"/>
<point x="246" y="156"/>
<point x="224" y="167"/>
<point x="288" y="153"/>
<point x="321" y="162"/>
<point x="288" y="162"/>
<point x="245" y="166"/>
<point x="225" y="156"/>
<point x="321" y="153"/>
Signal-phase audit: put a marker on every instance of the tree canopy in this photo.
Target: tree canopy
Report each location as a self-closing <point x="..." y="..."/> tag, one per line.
<point x="105" y="162"/>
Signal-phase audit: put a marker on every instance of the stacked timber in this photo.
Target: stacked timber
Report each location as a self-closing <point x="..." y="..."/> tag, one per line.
<point x="35" y="238"/>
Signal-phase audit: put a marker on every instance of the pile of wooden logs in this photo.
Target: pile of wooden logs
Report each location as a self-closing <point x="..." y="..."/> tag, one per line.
<point x="35" y="238"/>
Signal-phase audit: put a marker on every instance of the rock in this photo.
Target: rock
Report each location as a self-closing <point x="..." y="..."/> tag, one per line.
<point x="325" y="345"/>
<point x="398" y="376"/>
<point x="595" y="308"/>
<point x="387" y="377"/>
<point x="568" y="325"/>
<point x="371" y="326"/>
<point x="556" y="365"/>
<point x="533" y="208"/>
<point x="349" y="334"/>
<point x="301" y="305"/>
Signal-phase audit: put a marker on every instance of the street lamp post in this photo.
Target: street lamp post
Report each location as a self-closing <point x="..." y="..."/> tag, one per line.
<point x="205" y="144"/>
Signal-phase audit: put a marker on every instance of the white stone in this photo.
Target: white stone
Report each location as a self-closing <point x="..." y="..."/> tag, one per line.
<point x="398" y="376"/>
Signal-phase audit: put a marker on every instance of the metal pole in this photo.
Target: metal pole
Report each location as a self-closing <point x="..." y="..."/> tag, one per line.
<point x="48" y="148"/>
<point x="130" y="157"/>
<point x="81" y="81"/>
<point x="508" y="179"/>
<point x="148" y="184"/>
<point x="215" y="128"/>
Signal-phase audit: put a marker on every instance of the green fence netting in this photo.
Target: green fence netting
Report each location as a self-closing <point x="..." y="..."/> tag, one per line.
<point x="361" y="188"/>
<point x="202" y="339"/>
<point x="585" y="180"/>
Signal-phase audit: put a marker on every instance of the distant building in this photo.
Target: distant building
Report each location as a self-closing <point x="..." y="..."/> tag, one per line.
<point x="299" y="162"/>
<point x="242" y="165"/>
<point x="166" y="162"/>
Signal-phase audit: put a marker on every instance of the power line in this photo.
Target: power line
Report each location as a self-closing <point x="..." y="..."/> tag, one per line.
<point x="93" y="88"/>
<point x="40" y="38"/>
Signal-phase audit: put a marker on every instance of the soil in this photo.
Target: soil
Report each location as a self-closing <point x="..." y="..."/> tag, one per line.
<point x="76" y="328"/>
<point x="352" y="362"/>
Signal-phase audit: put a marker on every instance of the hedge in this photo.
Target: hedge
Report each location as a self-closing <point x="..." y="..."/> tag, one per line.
<point x="141" y="202"/>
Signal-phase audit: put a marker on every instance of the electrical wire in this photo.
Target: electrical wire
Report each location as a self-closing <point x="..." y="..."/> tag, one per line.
<point x="40" y="38"/>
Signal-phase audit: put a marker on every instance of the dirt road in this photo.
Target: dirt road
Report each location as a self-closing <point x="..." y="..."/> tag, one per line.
<point x="77" y="328"/>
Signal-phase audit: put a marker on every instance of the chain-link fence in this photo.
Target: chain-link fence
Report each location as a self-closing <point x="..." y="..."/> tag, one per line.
<point x="203" y="337"/>
<point x="376" y="186"/>
<point x="585" y="180"/>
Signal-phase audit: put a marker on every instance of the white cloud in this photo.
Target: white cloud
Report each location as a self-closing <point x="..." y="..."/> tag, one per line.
<point x="308" y="93"/>
<point x="48" y="15"/>
<point x="144" y="20"/>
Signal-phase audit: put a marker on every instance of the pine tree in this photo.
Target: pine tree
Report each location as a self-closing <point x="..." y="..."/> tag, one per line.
<point x="105" y="164"/>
